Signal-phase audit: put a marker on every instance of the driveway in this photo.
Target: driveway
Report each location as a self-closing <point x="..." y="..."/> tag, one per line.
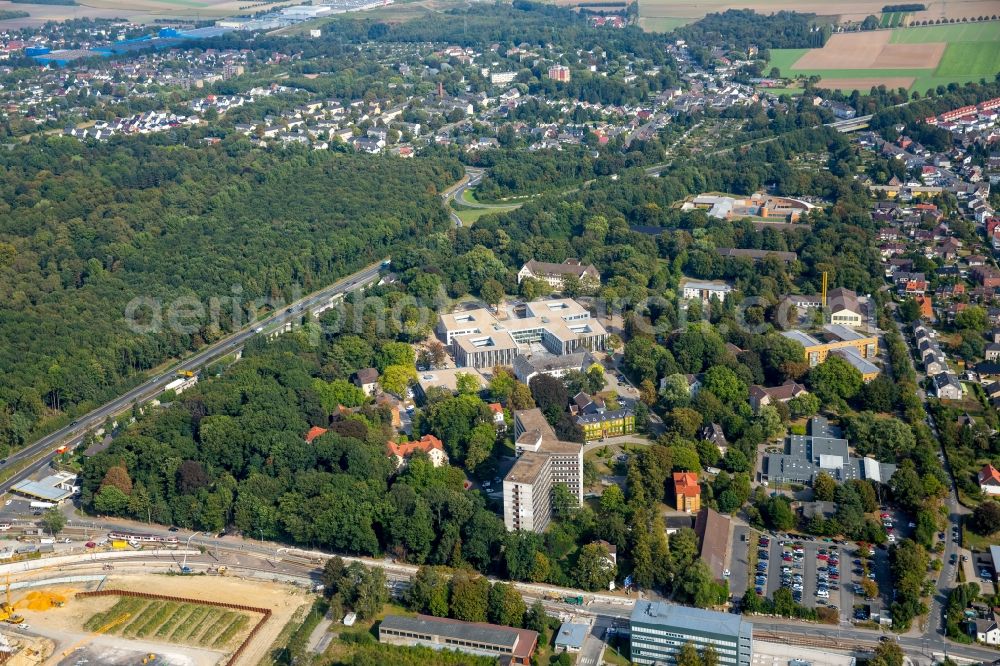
<point x="593" y="645"/>
<point x="739" y="561"/>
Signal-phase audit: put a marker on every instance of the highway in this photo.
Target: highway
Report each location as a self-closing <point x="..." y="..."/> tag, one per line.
<point x="76" y="431"/>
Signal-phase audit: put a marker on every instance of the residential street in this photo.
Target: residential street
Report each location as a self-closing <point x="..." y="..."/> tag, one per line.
<point x="934" y="625"/>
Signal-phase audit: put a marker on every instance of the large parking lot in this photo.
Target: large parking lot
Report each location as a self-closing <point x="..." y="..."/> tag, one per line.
<point x="818" y="572"/>
<point x="810" y="569"/>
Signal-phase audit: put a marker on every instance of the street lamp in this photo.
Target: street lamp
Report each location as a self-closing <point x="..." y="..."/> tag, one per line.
<point x="187" y="546"/>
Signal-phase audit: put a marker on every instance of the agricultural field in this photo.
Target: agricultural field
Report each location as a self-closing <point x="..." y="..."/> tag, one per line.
<point x="140" y="11"/>
<point x="664" y="15"/>
<point x="894" y="19"/>
<point x="915" y="58"/>
<point x="173" y="622"/>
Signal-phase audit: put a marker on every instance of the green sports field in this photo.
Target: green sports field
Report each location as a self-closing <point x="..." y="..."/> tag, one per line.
<point x="972" y="53"/>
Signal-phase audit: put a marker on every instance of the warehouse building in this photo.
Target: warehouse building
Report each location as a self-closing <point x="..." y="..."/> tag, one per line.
<point x="515" y="646"/>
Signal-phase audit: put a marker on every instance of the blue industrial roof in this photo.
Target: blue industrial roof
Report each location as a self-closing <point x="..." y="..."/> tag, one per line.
<point x="571" y="635"/>
<point x="46" y="489"/>
<point x="204" y="33"/>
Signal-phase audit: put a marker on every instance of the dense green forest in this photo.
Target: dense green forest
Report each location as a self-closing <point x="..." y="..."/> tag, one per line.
<point x="741" y="28"/>
<point x="231" y="452"/>
<point x="88" y="228"/>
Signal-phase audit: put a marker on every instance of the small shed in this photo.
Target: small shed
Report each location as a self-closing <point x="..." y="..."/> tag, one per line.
<point x="571" y="636"/>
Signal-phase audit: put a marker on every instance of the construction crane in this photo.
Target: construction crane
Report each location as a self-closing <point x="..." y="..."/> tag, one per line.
<point x="121" y="619"/>
<point x="7" y="613"/>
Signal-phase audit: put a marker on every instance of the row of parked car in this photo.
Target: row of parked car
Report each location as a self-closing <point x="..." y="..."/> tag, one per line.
<point x="827" y="572"/>
<point x="760" y="579"/>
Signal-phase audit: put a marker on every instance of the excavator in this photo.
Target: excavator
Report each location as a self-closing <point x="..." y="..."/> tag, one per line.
<point x="7" y="612"/>
<point x="121" y="619"/>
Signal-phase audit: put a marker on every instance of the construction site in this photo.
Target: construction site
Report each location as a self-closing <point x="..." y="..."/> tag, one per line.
<point x="149" y="619"/>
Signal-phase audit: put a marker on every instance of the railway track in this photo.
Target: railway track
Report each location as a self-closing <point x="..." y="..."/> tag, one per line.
<point x="829" y="643"/>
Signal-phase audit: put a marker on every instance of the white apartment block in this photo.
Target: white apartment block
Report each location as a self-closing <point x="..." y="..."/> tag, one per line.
<point x="527" y="504"/>
<point x="543" y="461"/>
<point x="502" y="78"/>
<point x="703" y="290"/>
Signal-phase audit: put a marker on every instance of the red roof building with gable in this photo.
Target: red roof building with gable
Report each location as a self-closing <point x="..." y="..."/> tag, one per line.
<point x="313" y="433"/>
<point x="687" y="492"/>
<point x="429" y="444"/>
<point x="989" y="480"/>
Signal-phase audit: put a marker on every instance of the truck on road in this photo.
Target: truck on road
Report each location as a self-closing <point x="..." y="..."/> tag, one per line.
<point x="42" y="505"/>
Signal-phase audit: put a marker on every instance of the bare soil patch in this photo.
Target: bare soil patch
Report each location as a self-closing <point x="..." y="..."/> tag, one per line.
<point x="865" y="84"/>
<point x="956" y="9"/>
<point x="850" y="10"/>
<point x="847" y="51"/>
<point x="910" y="56"/>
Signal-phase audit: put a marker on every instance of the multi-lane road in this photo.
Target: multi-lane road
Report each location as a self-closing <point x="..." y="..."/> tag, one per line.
<point x="44" y="449"/>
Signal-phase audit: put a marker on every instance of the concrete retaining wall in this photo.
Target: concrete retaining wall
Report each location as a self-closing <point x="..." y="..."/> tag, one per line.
<point x="62" y="560"/>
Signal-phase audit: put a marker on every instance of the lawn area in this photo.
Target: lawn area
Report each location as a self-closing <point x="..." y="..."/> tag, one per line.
<point x="781" y="91"/>
<point x="662" y="23"/>
<point x="471" y="215"/>
<point x="783" y="59"/>
<point x="977" y="542"/>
